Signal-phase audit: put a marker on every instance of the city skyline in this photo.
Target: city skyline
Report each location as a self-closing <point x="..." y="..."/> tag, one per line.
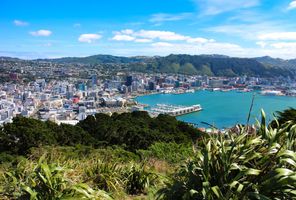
<point x="129" y="28"/>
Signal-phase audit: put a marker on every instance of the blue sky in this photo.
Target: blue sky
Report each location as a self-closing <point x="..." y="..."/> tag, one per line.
<point x="58" y="28"/>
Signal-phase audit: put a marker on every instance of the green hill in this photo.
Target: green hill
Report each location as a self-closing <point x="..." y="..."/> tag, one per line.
<point x="96" y="59"/>
<point x="211" y="65"/>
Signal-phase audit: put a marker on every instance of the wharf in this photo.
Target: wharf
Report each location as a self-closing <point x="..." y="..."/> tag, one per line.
<point x="173" y="110"/>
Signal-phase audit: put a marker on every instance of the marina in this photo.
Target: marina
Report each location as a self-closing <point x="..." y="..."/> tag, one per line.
<point x="222" y="109"/>
<point x="174" y="110"/>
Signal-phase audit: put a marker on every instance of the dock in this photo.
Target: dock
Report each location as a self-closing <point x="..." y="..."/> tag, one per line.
<point x="174" y="110"/>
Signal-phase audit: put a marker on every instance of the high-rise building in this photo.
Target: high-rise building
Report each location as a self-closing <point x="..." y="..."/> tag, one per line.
<point x="94" y="81"/>
<point x="129" y="80"/>
<point x="152" y="86"/>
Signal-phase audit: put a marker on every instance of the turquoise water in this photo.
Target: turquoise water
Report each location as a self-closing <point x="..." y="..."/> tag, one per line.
<point x="222" y="109"/>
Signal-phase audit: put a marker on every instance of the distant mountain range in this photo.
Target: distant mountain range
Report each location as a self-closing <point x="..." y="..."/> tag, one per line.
<point x="277" y="62"/>
<point x="97" y="59"/>
<point x="212" y="65"/>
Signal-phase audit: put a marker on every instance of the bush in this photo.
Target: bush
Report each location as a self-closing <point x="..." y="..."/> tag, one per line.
<point x="47" y="182"/>
<point x="239" y="166"/>
<point x="6" y="157"/>
<point x="171" y="152"/>
<point x="105" y="176"/>
<point x="138" y="179"/>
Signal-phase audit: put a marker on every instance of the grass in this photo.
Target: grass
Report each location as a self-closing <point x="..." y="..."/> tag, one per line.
<point x="79" y="172"/>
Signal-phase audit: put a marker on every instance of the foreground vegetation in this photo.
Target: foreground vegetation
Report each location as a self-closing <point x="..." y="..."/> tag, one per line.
<point x="124" y="157"/>
<point x="132" y="131"/>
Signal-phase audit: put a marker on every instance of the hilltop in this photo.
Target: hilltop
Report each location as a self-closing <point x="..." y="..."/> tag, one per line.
<point x="211" y="65"/>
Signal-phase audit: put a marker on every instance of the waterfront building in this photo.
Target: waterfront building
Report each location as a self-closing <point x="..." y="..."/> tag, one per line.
<point x="216" y="83"/>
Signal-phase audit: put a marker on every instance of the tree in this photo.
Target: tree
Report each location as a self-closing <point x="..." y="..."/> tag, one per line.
<point x="24" y="133"/>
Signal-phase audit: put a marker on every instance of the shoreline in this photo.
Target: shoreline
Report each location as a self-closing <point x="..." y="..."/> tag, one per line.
<point x="269" y="103"/>
<point x="215" y="90"/>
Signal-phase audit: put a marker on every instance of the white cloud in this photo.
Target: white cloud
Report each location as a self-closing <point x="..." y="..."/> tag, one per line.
<point x="278" y="36"/>
<point x="292" y="5"/>
<point x="120" y="37"/>
<point x="262" y="44"/>
<point x="286" y="50"/>
<point x="250" y="31"/>
<point x="164" y="48"/>
<point x="199" y="40"/>
<point x="214" y="7"/>
<point x="146" y="36"/>
<point x="283" y="45"/>
<point x="44" y="33"/>
<point x="230" y="49"/>
<point x="20" y="23"/>
<point x="89" y="37"/>
<point x="161" y="35"/>
<point x="143" y="40"/>
<point x="163" y="17"/>
<point x="162" y="44"/>
<point x="127" y="31"/>
<point x="199" y="45"/>
<point x="274" y="50"/>
<point x="158" y="42"/>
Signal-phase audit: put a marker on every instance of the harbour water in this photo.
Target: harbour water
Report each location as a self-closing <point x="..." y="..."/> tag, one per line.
<point x="222" y="109"/>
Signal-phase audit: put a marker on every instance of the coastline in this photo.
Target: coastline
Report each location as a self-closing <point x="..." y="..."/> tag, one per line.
<point x="222" y="108"/>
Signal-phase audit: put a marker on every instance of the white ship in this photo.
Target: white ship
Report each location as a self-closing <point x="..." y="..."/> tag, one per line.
<point x="190" y="91"/>
<point x="272" y="93"/>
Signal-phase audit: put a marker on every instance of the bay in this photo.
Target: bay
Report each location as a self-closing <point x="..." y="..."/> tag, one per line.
<point x="222" y="109"/>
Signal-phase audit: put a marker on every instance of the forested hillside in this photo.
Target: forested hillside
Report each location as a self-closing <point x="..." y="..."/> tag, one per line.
<point x="212" y="66"/>
<point x="132" y="131"/>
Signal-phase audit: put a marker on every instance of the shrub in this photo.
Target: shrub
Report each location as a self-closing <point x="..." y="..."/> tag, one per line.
<point x="138" y="179"/>
<point x="172" y="152"/>
<point x="105" y="175"/>
<point x="239" y="166"/>
<point x="44" y="181"/>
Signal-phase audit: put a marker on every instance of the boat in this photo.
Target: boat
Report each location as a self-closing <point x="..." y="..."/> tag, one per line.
<point x="272" y="93"/>
<point x="190" y="91"/>
<point x="167" y="91"/>
<point x="244" y="90"/>
<point x="178" y="91"/>
<point x="215" y="89"/>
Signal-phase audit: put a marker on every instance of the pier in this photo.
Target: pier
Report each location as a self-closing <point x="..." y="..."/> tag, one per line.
<point x="173" y="110"/>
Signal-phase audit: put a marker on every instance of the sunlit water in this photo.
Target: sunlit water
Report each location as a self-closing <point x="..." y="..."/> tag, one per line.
<point x="222" y="109"/>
